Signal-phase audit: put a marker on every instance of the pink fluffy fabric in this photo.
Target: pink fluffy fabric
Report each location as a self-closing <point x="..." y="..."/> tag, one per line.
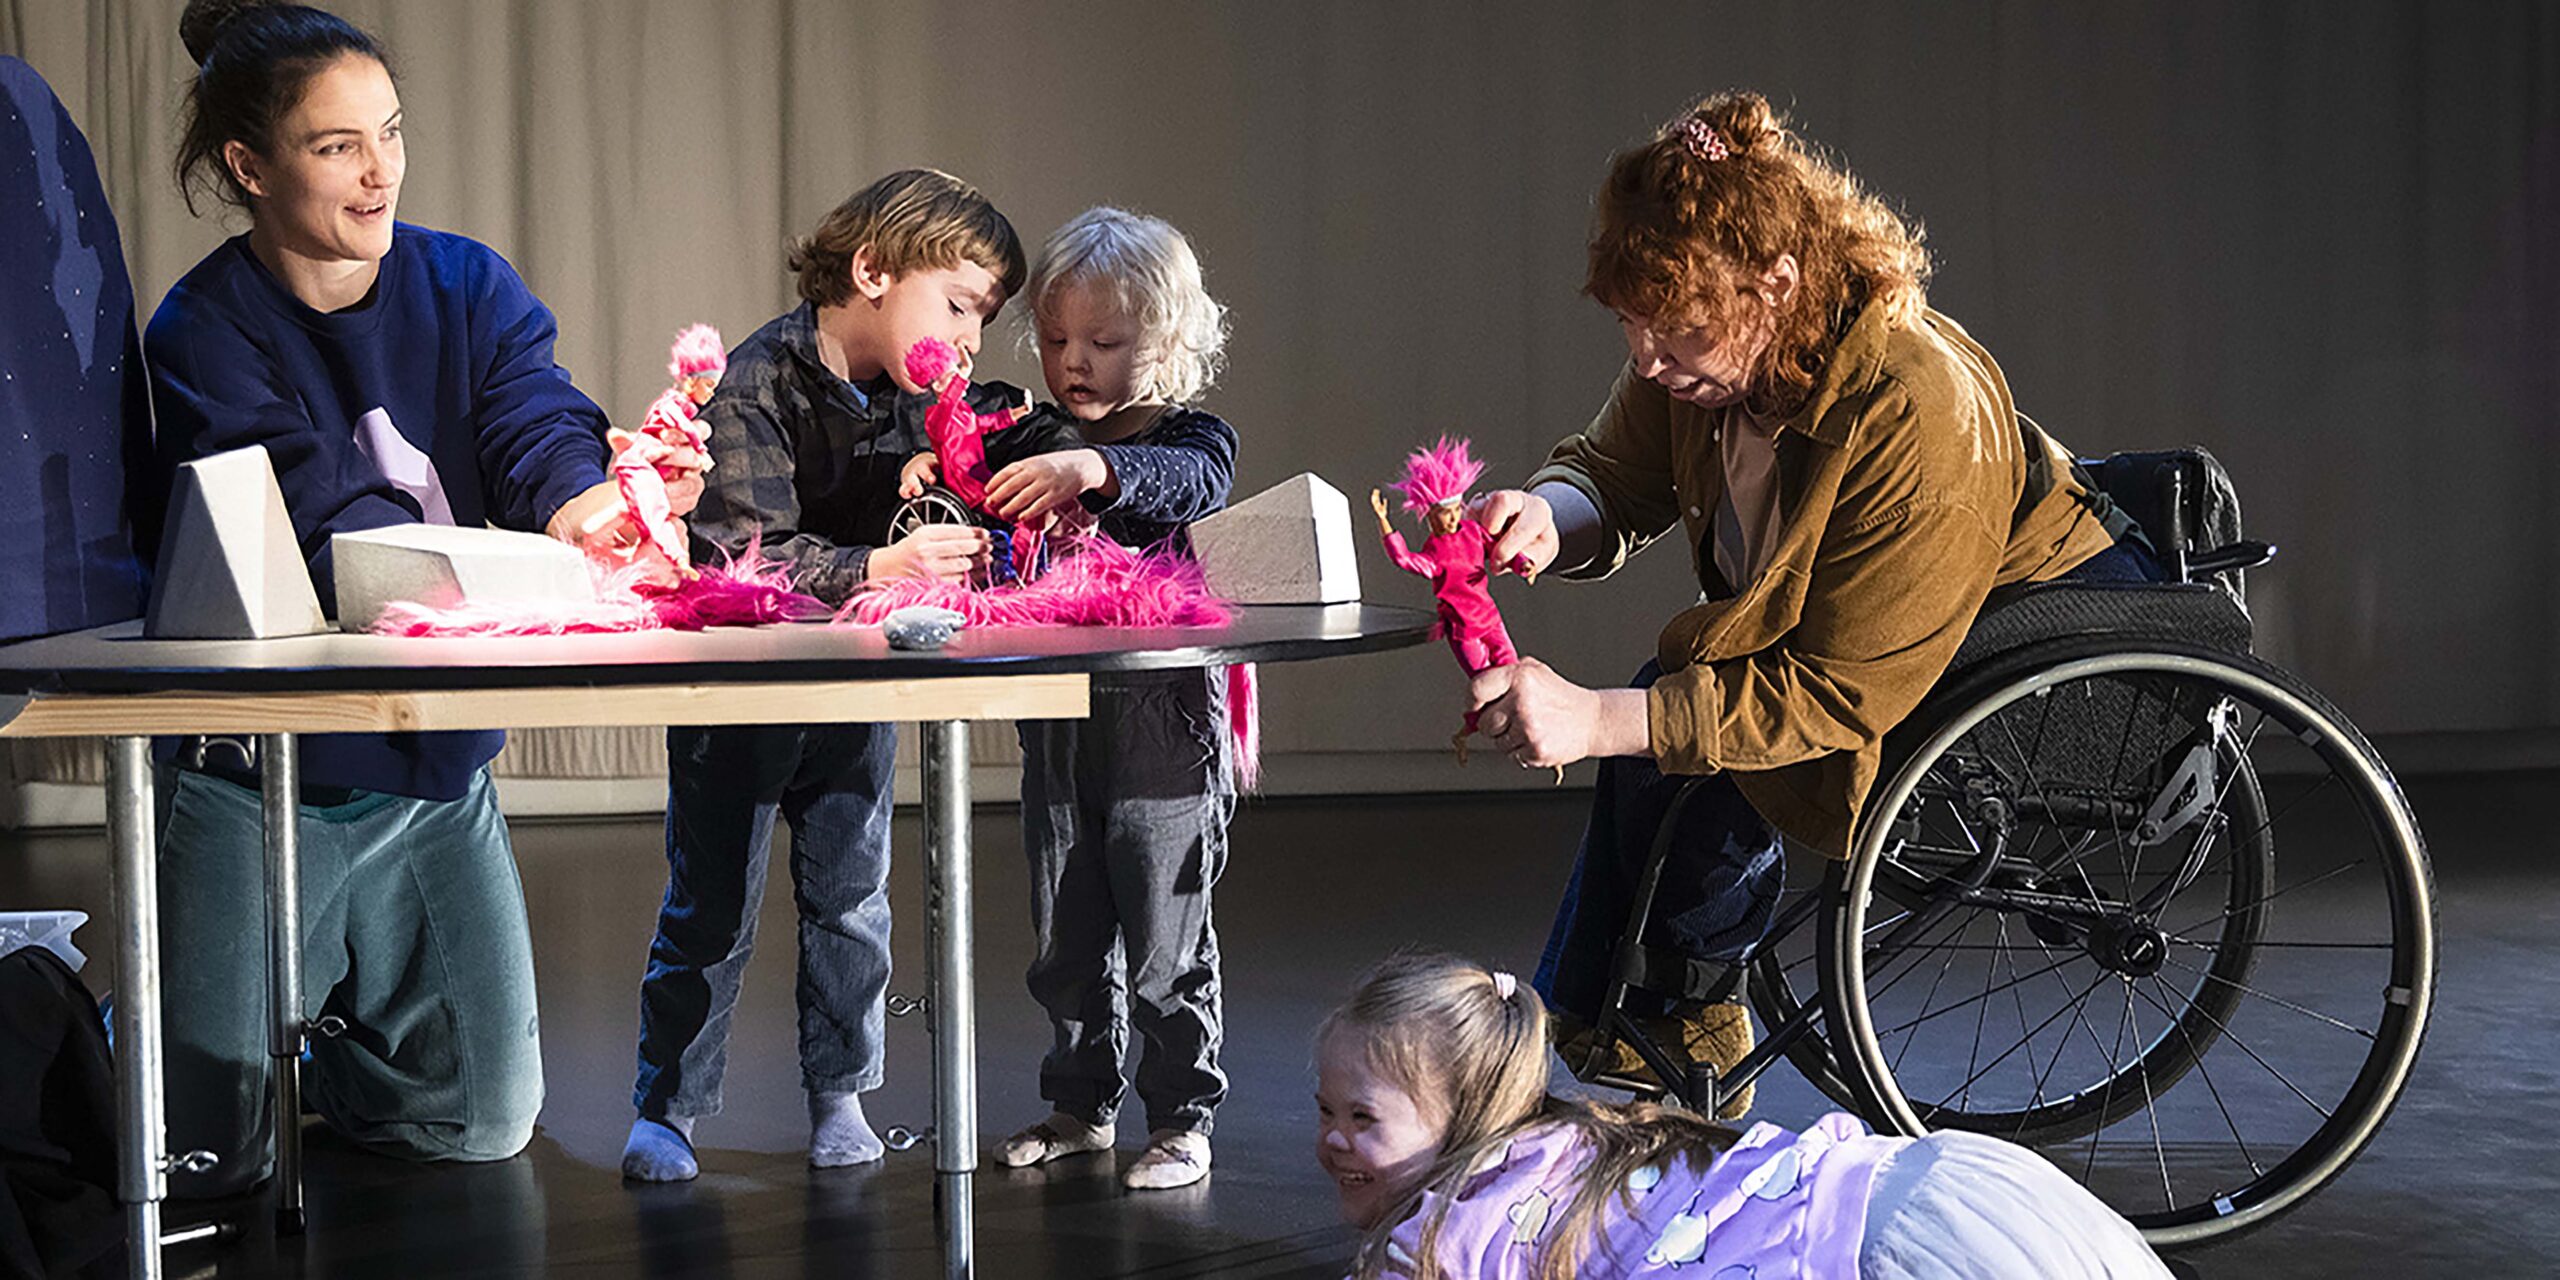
<point x="750" y="591"/>
<point x="697" y="349"/>
<point x="1094" y="582"/>
<point x="1441" y="473"/>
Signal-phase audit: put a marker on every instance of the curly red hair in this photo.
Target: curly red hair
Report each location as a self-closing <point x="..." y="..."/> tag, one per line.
<point x="1682" y="233"/>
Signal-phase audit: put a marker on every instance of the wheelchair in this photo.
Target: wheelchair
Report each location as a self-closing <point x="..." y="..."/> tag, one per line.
<point x="2110" y="840"/>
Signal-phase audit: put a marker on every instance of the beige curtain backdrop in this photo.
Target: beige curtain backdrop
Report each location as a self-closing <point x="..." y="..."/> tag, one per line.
<point x="2317" y="238"/>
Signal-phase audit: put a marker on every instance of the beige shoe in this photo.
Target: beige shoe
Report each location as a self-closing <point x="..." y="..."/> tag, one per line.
<point x="1717" y="1033"/>
<point x="1173" y="1158"/>
<point x="1058" y="1136"/>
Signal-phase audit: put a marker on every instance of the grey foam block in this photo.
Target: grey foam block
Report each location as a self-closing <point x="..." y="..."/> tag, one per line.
<point x="1289" y="544"/>
<point x="444" y="566"/>
<point x="229" y="566"/>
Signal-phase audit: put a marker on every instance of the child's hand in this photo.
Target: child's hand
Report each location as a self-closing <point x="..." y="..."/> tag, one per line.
<point x="949" y="552"/>
<point x="1038" y="486"/>
<point x="919" y="474"/>
<point x="1378" y="503"/>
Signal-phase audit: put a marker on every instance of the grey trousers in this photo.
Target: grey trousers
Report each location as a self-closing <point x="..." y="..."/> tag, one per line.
<point x="413" y="935"/>
<point x="1124" y="818"/>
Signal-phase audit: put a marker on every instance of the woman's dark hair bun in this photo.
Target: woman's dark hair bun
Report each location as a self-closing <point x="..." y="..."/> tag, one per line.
<point x="204" y="21"/>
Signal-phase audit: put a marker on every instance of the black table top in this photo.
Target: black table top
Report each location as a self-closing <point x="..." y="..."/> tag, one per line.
<point x="117" y="659"/>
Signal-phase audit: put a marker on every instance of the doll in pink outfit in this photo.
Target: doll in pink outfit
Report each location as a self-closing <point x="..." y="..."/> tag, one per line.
<point x="959" y="436"/>
<point x="669" y="445"/>
<point x="1435" y="488"/>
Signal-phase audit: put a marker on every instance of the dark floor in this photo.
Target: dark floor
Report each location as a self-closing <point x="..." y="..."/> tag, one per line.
<point x="2460" y="1184"/>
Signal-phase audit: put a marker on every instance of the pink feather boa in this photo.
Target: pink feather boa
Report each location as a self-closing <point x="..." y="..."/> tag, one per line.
<point x="748" y="591"/>
<point x="1095" y="582"/>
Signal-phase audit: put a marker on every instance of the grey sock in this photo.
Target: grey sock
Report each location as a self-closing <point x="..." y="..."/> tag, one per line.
<point x="838" y="1133"/>
<point x="660" y="1150"/>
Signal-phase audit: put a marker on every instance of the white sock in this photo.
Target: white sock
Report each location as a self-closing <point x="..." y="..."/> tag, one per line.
<point x="838" y="1133"/>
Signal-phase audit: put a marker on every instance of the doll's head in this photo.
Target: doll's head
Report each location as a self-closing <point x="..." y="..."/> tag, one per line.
<point x="1435" y="483"/>
<point x="1120" y="315"/>
<point x="1430" y="1059"/>
<point x="918" y="254"/>
<point x="1735" y="255"/>
<point x="696" y="361"/>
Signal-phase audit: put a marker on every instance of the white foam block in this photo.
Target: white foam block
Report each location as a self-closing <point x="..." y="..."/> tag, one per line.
<point x="443" y="566"/>
<point x="1289" y="544"/>
<point x="229" y="566"/>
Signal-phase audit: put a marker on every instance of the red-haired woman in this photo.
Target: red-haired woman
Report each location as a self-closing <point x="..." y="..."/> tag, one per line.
<point x="1852" y="480"/>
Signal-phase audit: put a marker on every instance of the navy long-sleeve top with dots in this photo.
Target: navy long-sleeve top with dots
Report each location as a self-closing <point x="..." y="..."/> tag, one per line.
<point x="1177" y="470"/>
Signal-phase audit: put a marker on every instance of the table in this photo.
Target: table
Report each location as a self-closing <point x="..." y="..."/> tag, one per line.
<point x="113" y="683"/>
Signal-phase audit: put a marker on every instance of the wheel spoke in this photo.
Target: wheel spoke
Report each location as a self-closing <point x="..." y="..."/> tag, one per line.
<point x="2195" y="1060"/>
<point x="2278" y="1001"/>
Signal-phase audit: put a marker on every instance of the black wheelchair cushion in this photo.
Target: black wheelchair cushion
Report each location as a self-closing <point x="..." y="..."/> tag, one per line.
<point x="2197" y="613"/>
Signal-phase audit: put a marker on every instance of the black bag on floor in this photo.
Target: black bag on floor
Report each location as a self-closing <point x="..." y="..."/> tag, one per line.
<point x="57" y="1125"/>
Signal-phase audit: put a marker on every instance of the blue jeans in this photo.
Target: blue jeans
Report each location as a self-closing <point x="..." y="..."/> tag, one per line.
<point x="413" y="934"/>
<point x="725" y="786"/>
<point x="1722" y="875"/>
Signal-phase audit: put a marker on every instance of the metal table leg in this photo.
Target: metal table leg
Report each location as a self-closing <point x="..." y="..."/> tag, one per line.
<point x="280" y="787"/>
<point x="948" y="911"/>
<point x="142" y="1177"/>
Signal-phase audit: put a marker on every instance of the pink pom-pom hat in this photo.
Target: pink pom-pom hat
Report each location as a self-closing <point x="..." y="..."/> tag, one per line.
<point x="1439" y="474"/>
<point x="698" y="350"/>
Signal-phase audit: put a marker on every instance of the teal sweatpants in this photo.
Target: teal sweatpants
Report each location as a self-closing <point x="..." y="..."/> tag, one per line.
<point x="413" y="936"/>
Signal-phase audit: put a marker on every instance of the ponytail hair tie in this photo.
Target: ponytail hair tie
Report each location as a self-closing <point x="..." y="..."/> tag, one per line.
<point x="1703" y="141"/>
<point x="1504" y="984"/>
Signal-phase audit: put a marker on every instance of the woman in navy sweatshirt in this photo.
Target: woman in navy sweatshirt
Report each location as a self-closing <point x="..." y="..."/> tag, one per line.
<point x="394" y="374"/>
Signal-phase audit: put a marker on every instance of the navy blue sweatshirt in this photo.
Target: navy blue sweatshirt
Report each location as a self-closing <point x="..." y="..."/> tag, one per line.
<point x="453" y="348"/>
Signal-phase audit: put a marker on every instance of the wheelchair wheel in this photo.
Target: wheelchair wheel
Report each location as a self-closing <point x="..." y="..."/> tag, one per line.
<point x="936" y="505"/>
<point x="2089" y="864"/>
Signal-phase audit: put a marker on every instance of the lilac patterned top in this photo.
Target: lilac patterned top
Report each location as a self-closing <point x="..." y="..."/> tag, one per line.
<point x="1777" y="1206"/>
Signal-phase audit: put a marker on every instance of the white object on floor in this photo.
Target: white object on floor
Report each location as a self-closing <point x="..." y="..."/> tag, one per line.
<point x="1289" y="544"/>
<point x="230" y="567"/>
<point x="50" y="930"/>
<point x="443" y="566"/>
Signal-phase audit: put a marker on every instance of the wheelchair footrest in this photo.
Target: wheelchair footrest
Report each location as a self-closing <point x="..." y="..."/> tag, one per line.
<point x="1677" y="974"/>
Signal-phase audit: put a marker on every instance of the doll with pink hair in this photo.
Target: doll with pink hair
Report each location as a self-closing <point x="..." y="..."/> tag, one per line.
<point x="668" y="445"/>
<point x="1435" y="486"/>
<point x="959" y="434"/>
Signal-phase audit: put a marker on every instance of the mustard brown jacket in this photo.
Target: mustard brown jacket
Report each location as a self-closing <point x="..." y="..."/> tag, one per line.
<point x="1908" y="487"/>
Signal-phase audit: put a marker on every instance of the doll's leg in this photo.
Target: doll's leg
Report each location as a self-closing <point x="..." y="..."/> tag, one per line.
<point x="838" y="806"/>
